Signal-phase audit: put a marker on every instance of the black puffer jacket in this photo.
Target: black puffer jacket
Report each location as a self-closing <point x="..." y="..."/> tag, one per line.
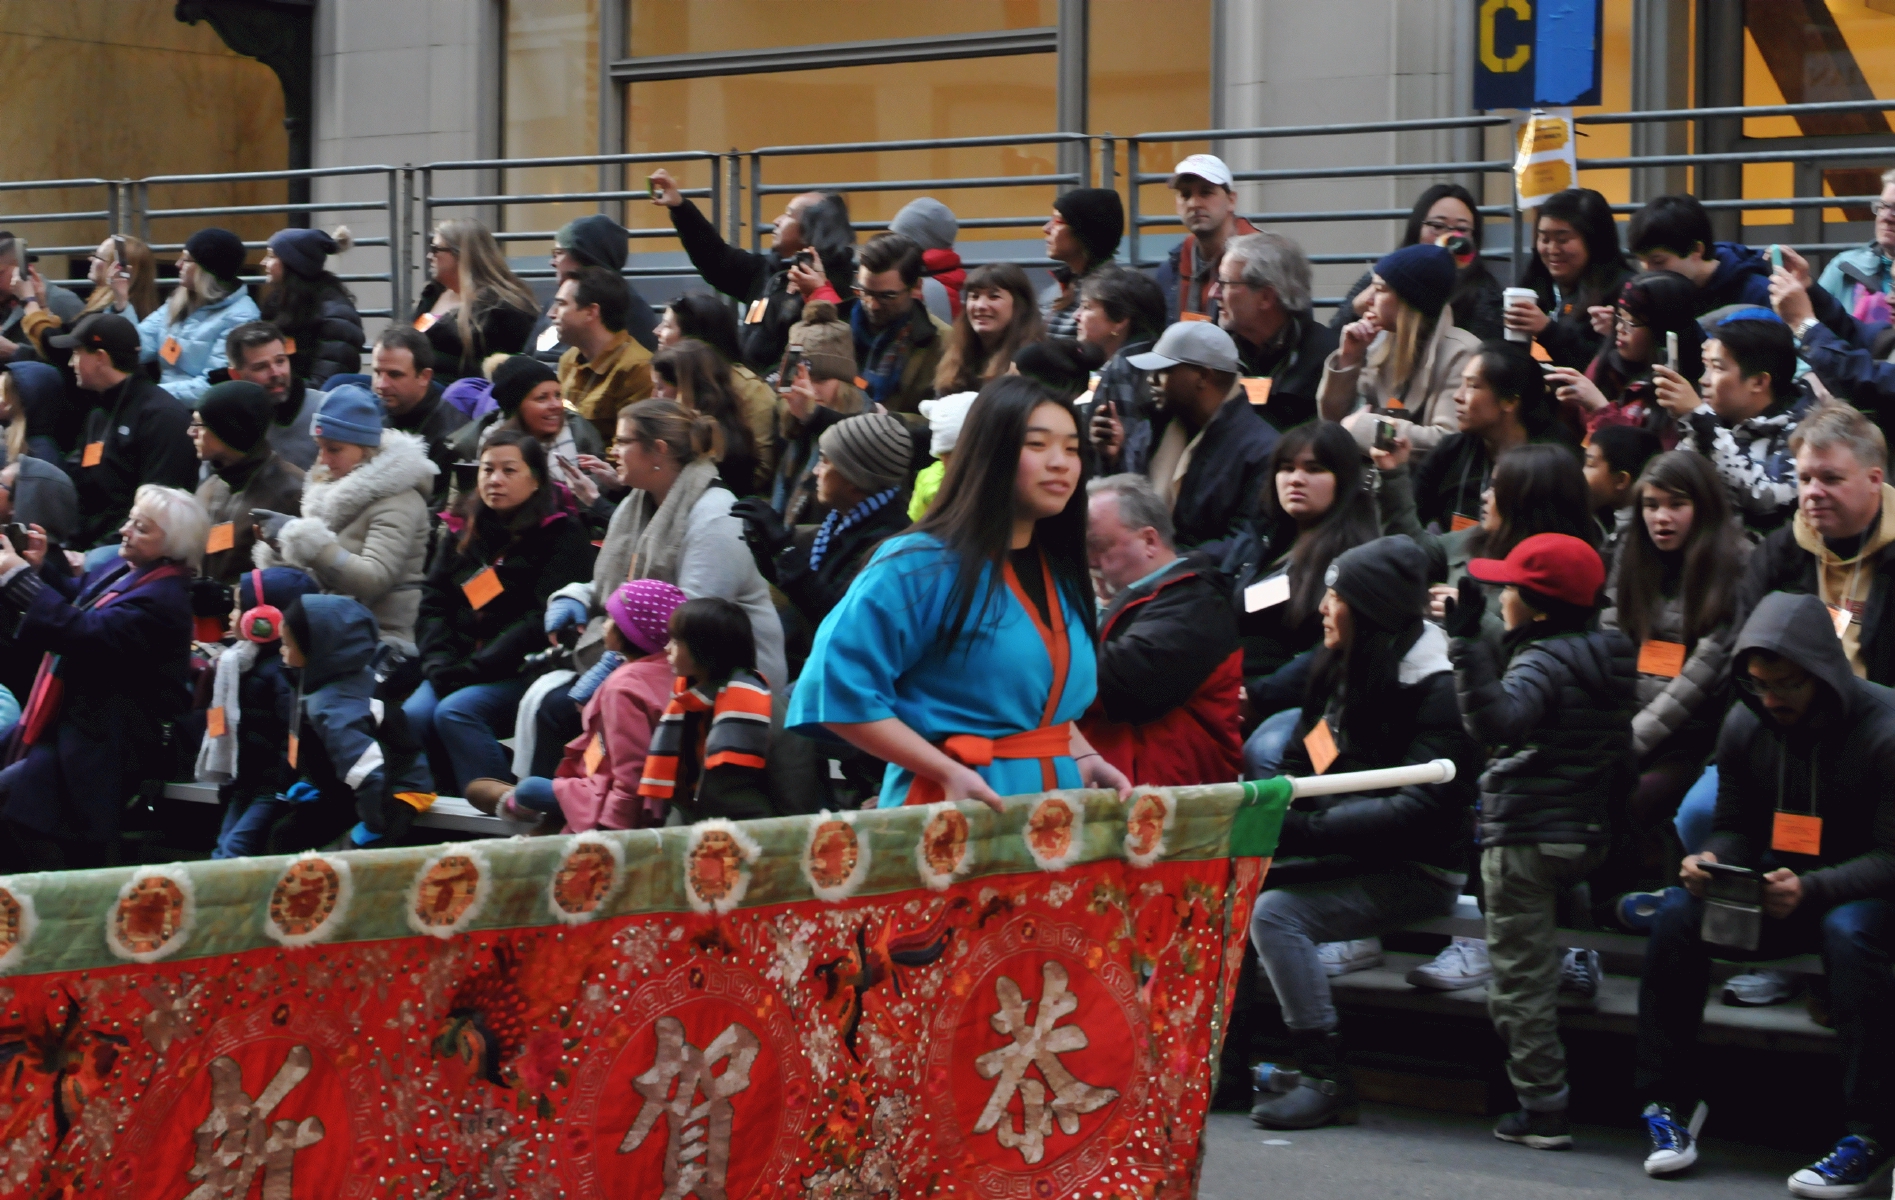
<point x="329" y="343"/>
<point x="1837" y="769"/>
<point x="1559" y="724"/>
<point x="461" y="644"/>
<point x="1425" y="823"/>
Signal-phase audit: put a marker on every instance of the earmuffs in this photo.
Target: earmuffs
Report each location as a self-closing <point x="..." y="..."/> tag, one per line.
<point x="261" y="624"/>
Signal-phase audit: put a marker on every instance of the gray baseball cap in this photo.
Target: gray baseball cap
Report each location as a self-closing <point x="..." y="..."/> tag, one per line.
<point x="1200" y="343"/>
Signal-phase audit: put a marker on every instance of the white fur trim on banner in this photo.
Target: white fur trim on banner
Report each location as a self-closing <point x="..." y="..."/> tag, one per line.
<point x="588" y="875"/>
<point x="153" y="915"/>
<point x="18" y="922"/>
<point x="717" y="858"/>
<point x="945" y="849"/>
<point x="309" y="901"/>
<point x="1055" y="831"/>
<point x="1148" y="821"/>
<point x="835" y="856"/>
<point x="448" y="891"/>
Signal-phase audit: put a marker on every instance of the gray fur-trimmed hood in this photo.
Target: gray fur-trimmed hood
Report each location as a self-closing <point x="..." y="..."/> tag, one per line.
<point x="402" y="464"/>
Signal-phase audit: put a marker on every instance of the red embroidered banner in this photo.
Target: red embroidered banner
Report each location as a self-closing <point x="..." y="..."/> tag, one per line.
<point x="1037" y="1024"/>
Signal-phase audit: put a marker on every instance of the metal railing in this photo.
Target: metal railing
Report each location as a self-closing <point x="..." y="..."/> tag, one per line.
<point x="414" y="195"/>
<point x="138" y="216"/>
<point x="1057" y="179"/>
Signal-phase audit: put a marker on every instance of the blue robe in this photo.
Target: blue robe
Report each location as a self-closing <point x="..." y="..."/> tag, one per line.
<point x="881" y="653"/>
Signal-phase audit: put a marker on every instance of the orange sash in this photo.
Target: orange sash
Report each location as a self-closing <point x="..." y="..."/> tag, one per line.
<point x="1046" y="743"/>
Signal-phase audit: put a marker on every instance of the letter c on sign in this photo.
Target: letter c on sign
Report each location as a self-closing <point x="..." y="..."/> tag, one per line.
<point x="1489" y="53"/>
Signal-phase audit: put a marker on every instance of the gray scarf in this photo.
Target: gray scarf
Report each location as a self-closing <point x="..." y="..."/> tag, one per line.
<point x="641" y="544"/>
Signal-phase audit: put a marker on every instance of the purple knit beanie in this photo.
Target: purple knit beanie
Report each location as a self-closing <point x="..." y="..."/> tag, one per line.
<point x="642" y="610"/>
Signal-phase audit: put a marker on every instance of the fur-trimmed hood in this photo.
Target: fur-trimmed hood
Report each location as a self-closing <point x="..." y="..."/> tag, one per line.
<point x="402" y="464"/>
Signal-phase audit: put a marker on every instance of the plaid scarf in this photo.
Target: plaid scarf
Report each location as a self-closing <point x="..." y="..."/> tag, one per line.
<point x="738" y="735"/>
<point x="836" y="523"/>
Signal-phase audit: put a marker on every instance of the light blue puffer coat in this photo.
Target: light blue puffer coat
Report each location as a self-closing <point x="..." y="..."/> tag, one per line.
<point x="200" y="342"/>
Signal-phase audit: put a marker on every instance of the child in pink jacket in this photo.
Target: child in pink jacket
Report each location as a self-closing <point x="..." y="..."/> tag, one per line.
<point x="596" y="785"/>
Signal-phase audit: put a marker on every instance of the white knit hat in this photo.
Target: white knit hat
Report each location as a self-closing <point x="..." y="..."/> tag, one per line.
<point x="944" y="420"/>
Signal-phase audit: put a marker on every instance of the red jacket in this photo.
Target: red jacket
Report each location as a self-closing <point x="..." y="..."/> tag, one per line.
<point x="1170" y="669"/>
<point x="621" y="714"/>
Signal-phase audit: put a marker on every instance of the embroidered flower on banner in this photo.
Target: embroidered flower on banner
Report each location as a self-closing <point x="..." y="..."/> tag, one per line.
<point x="310" y="900"/>
<point x="1055" y="832"/>
<point x="153" y="915"/>
<point x="587" y="876"/>
<point x="717" y="858"/>
<point x="18" y="921"/>
<point x="835" y="857"/>
<point x="942" y="852"/>
<point x="449" y="891"/>
<point x="1146" y="824"/>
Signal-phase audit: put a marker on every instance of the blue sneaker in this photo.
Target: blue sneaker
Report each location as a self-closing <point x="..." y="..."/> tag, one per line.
<point x="1674" y="1146"/>
<point x="1854" y="1167"/>
<point x="1636" y="910"/>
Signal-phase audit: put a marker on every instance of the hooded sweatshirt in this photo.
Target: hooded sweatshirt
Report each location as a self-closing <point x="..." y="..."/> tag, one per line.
<point x="1845" y="583"/>
<point x="1833" y="764"/>
<point x="350" y="740"/>
<point x="1742" y="277"/>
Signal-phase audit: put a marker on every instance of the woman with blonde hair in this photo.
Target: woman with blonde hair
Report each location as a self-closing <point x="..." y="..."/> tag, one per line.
<point x="998" y="316"/>
<point x="474" y="305"/>
<point x="1403" y="359"/>
<point x="186" y="335"/>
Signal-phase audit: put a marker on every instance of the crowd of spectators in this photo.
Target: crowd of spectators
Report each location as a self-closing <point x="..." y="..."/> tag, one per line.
<point x="865" y="524"/>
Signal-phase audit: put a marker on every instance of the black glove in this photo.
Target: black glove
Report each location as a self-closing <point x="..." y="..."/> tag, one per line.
<point x="269" y="524"/>
<point x="763" y="528"/>
<point x="1464" y="614"/>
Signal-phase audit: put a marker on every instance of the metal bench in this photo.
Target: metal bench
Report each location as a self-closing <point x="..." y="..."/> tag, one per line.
<point x="448" y="812"/>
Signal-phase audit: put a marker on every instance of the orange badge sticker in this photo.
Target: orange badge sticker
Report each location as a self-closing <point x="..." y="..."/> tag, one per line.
<point x="171" y="352"/>
<point x="1191" y="316"/>
<point x="425" y="321"/>
<point x="1661" y="658"/>
<point x="214" y="722"/>
<point x="1321" y="745"/>
<point x="482" y="588"/>
<point x="95" y="452"/>
<point x="595" y="753"/>
<point x="754" y="313"/>
<point x="295" y="744"/>
<point x="222" y="538"/>
<point x="289" y="345"/>
<point x="1797" y="833"/>
<point x="1258" y="390"/>
<point x="1840" y="617"/>
<point x="1459" y="522"/>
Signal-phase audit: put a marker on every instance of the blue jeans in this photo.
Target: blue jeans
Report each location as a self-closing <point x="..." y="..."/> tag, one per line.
<point x="462" y="732"/>
<point x="1263" y="750"/>
<point x="536" y="793"/>
<point x="246" y="827"/>
<point x="1855" y="940"/>
<point x="1696" y="811"/>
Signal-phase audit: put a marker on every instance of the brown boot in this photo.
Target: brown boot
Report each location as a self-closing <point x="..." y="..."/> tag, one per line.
<point x="486" y="794"/>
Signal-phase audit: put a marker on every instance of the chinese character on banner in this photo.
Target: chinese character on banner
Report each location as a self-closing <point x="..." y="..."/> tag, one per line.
<point x="1546" y="161"/>
<point x="1036" y="1043"/>
<point x="237" y="1138"/>
<point x="697" y="1152"/>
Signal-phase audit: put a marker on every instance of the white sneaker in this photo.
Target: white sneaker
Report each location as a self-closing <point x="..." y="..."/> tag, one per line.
<point x="1579" y="974"/>
<point x="1343" y="958"/>
<point x="1756" y="989"/>
<point x="1462" y="965"/>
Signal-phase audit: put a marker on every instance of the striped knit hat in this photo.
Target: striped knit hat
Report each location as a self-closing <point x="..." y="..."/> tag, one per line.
<point x="825" y="340"/>
<point x="872" y="451"/>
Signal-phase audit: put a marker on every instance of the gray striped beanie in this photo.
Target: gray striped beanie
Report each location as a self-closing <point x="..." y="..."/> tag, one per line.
<point x="872" y="450"/>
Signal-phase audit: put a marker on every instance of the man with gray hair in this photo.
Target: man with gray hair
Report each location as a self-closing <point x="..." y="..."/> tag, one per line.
<point x="1170" y="670"/>
<point x="1262" y="291"/>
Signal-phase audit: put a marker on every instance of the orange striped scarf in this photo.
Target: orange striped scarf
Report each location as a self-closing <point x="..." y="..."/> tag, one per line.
<point x="738" y="735"/>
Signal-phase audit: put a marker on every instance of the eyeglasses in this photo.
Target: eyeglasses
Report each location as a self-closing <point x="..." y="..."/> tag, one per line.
<point x="1230" y="283"/>
<point x="1625" y="324"/>
<point x="1438" y="227"/>
<point x="434" y="248"/>
<point x="883" y="297"/>
<point x="1878" y="207"/>
<point x="1782" y="687"/>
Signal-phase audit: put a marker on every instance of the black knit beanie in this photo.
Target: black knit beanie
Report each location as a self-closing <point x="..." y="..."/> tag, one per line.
<point x="218" y="251"/>
<point x="1384" y="582"/>
<point x="1097" y="218"/>
<point x="238" y="412"/>
<point x="515" y="378"/>
<point x="595" y="239"/>
<point x="1062" y="366"/>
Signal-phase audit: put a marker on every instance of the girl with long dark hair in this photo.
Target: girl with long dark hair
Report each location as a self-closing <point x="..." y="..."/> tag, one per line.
<point x="1617" y="387"/>
<point x="1577" y="268"/>
<point x="999" y="315"/>
<point x="1316" y="505"/>
<point x="1381" y="695"/>
<point x="709" y="318"/>
<point x="702" y="380"/>
<point x="310" y="304"/>
<point x="1673" y="592"/>
<point x="1445" y="215"/>
<point x="975" y="631"/>
<point x="482" y="609"/>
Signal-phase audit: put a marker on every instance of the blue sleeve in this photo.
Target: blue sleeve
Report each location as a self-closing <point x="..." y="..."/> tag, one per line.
<point x="1833" y="281"/>
<point x="882" y="627"/>
<point x="1849" y="372"/>
<point x="346" y="727"/>
<point x="151" y="333"/>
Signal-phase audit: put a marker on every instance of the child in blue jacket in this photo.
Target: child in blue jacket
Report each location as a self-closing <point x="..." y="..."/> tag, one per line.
<point x="357" y="760"/>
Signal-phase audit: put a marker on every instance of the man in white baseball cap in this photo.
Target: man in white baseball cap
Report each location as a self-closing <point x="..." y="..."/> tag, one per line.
<point x="1207" y="204"/>
<point x="1211" y="451"/>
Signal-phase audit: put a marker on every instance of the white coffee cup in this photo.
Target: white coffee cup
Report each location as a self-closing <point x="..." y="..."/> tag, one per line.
<point x="1508" y="297"/>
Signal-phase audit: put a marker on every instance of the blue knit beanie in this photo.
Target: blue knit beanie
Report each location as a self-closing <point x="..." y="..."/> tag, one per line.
<point x="304" y="251"/>
<point x="1422" y="274"/>
<point x="349" y="414"/>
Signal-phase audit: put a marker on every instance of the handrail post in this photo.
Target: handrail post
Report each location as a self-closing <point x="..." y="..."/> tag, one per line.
<point x="717" y="194"/>
<point x="1108" y="166"/>
<point x="734" y="163"/>
<point x="1131" y="177"/>
<point x="756" y="203"/>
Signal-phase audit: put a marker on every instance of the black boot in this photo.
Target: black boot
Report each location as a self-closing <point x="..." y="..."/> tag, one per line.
<point x="1324" y="1094"/>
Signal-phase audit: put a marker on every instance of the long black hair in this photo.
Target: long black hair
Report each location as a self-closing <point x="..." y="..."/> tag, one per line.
<point x="1350" y="521"/>
<point x="1538" y="488"/>
<point x="495" y="532"/>
<point x="1366" y="671"/>
<point x="1590" y="215"/>
<point x="1664" y="302"/>
<point x="973" y="513"/>
<point x="710" y="319"/>
<point x="1510" y="370"/>
<point x="1705" y="570"/>
<point x="1474" y="275"/>
<point x="294" y="305"/>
